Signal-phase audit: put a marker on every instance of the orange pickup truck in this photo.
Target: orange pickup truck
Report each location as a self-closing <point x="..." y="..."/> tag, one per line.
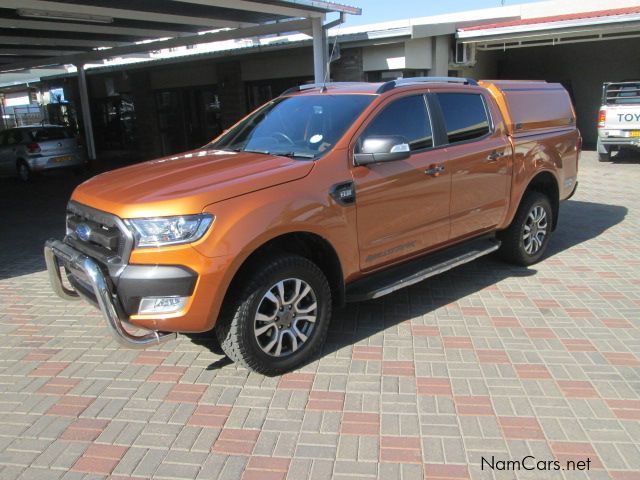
<point x="327" y="194"/>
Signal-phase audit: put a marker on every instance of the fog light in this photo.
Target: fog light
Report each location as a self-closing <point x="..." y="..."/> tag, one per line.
<point x="161" y="304"/>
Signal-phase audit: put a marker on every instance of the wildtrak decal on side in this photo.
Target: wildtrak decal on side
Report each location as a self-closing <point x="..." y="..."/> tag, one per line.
<point x="391" y="251"/>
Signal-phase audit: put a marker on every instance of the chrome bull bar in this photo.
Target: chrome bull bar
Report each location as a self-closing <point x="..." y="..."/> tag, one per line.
<point x="55" y="250"/>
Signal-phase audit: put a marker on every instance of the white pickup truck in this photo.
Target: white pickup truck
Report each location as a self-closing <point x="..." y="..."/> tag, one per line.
<point x="619" y="118"/>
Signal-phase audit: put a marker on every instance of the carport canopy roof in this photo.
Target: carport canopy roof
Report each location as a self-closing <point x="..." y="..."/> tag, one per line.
<point x="43" y="33"/>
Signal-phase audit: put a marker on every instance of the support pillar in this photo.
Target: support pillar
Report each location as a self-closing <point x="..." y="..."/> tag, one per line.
<point x="86" y="112"/>
<point x="319" y="47"/>
<point x="440" y="56"/>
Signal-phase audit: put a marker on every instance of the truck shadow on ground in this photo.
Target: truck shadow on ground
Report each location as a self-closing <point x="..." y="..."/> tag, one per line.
<point x="579" y="222"/>
<point x="625" y="156"/>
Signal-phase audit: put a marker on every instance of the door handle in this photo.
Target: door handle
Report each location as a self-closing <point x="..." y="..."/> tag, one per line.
<point x="435" y="170"/>
<point x="494" y="156"/>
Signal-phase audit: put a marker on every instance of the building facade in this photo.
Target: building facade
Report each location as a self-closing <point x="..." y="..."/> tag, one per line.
<point x="161" y="106"/>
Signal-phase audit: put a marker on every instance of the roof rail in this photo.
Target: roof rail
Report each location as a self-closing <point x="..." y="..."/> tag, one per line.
<point x="311" y="86"/>
<point x="390" y="85"/>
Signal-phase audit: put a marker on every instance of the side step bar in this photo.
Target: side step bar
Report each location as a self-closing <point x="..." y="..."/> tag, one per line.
<point x="417" y="270"/>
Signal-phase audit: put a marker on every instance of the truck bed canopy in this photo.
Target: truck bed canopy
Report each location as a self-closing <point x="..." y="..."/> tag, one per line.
<point x="532" y="106"/>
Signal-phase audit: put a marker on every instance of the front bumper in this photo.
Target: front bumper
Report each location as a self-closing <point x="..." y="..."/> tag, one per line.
<point x="59" y="254"/>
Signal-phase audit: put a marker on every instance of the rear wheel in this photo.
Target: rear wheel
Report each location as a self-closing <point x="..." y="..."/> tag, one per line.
<point x="526" y="239"/>
<point x="279" y="318"/>
<point x="24" y="172"/>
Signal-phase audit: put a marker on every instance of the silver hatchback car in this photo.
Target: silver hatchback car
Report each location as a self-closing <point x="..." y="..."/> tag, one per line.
<point x="26" y="150"/>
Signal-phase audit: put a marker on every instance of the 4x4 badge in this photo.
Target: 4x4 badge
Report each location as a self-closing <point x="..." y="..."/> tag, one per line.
<point x="343" y="193"/>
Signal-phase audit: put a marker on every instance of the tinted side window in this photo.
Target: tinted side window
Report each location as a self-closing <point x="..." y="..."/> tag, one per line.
<point x="465" y="116"/>
<point x="407" y="117"/>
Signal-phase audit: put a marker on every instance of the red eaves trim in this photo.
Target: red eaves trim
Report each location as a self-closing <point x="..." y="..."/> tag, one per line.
<point x="556" y="18"/>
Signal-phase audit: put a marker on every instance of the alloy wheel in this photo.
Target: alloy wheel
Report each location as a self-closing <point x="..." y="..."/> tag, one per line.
<point x="535" y="230"/>
<point x="286" y="317"/>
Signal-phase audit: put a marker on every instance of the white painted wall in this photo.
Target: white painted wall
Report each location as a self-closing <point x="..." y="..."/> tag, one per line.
<point x="384" y="57"/>
<point x="418" y="53"/>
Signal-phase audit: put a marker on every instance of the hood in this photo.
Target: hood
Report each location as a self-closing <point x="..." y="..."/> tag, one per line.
<point x="186" y="183"/>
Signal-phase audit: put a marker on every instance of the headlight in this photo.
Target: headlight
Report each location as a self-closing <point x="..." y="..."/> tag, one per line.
<point x="161" y="231"/>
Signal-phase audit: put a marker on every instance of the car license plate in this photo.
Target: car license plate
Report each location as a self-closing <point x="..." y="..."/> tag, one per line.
<point x="634" y="133"/>
<point x="66" y="158"/>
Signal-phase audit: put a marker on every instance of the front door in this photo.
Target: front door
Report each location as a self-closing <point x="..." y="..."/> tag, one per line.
<point x="401" y="209"/>
<point x="479" y="160"/>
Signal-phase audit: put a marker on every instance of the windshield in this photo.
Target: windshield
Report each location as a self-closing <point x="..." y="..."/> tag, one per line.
<point x="303" y="126"/>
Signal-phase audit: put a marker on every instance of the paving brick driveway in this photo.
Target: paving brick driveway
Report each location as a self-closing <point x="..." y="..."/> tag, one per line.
<point x="487" y="360"/>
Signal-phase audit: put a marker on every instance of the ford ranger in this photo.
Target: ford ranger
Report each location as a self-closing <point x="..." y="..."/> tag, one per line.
<point x="328" y="194"/>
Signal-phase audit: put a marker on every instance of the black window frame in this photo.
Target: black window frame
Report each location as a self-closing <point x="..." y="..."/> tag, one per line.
<point x="427" y="110"/>
<point x="442" y="124"/>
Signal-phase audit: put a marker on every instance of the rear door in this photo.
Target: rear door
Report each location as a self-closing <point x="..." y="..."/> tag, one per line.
<point x="401" y="209"/>
<point x="479" y="159"/>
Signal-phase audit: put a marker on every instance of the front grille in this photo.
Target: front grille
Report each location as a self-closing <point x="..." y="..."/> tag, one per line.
<point x="109" y="241"/>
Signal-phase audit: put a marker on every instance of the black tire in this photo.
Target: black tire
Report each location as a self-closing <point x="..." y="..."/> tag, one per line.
<point x="235" y="329"/>
<point x="23" y="171"/>
<point x="604" y="157"/>
<point x="513" y="248"/>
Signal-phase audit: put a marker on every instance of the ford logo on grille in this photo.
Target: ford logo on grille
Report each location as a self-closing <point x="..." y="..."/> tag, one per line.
<point x="83" y="231"/>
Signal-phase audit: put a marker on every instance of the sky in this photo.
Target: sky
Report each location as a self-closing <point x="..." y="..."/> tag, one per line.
<point x="384" y="10"/>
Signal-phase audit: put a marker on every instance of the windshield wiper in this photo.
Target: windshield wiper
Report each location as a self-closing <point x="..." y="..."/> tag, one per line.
<point x="283" y="154"/>
<point x="295" y="154"/>
<point x="279" y="154"/>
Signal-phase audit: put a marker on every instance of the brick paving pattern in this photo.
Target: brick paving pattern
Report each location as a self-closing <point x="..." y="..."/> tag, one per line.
<point x="486" y="360"/>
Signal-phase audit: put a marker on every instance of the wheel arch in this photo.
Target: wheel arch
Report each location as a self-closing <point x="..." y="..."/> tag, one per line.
<point x="546" y="183"/>
<point x="306" y="244"/>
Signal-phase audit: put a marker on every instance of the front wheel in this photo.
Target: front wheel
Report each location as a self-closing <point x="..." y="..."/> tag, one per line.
<point x="279" y="319"/>
<point x="527" y="238"/>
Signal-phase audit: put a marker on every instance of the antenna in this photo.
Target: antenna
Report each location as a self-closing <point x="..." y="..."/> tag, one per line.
<point x="339" y="22"/>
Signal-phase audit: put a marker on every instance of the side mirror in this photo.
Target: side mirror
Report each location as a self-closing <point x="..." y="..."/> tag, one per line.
<point x="382" y="148"/>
